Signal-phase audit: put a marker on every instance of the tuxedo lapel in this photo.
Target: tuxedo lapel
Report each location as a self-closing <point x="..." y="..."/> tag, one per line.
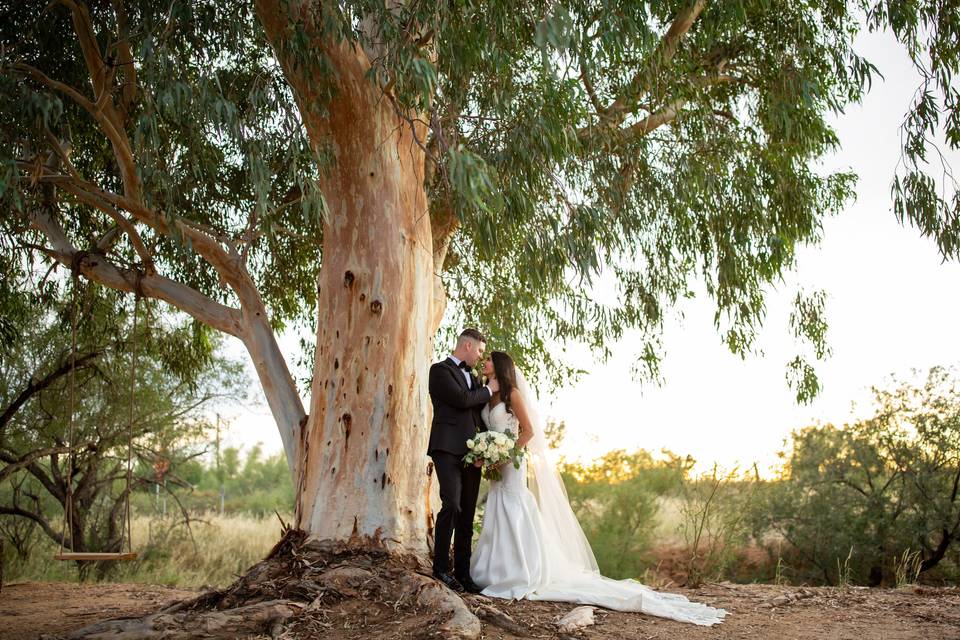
<point x="457" y="372"/>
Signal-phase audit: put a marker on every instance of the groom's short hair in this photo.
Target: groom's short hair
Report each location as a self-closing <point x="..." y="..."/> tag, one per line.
<point x="471" y="334"/>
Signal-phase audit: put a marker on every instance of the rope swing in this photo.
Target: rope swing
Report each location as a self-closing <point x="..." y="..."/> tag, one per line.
<point x="125" y="531"/>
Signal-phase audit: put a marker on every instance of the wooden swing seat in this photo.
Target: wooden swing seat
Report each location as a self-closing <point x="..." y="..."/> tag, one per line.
<point x="83" y="556"/>
<point x="129" y="555"/>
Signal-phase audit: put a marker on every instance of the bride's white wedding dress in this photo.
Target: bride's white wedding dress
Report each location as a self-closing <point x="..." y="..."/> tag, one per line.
<point x="532" y="546"/>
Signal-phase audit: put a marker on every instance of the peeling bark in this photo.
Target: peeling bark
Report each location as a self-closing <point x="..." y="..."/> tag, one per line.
<point x="360" y="454"/>
<point x="366" y="435"/>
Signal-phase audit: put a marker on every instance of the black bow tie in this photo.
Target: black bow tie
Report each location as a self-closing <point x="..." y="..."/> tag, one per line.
<point x="464" y="365"/>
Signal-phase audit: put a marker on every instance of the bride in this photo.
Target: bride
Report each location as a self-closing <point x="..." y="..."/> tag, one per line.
<point x="531" y="545"/>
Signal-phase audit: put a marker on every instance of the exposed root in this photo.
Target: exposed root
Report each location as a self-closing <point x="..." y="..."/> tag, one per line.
<point x="255" y="619"/>
<point x="494" y="616"/>
<point x="436" y="596"/>
<point x="306" y="587"/>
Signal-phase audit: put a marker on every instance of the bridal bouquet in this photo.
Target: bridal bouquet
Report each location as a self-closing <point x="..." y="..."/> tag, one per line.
<point x="493" y="448"/>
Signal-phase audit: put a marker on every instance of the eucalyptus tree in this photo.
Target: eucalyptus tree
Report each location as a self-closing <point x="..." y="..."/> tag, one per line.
<point x="383" y="166"/>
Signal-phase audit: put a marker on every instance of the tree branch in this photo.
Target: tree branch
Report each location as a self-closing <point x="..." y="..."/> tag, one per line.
<point x="250" y="323"/>
<point x="667" y="113"/>
<point x="52" y="487"/>
<point x="62" y="151"/>
<point x="125" y="59"/>
<point x="853" y="486"/>
<point x="27" y="458"/>
<point x="88" y="45"/>
<point x="654" y="120"/>
<point x="116" y="136"/>
<point x="643" y="80"/>
<point x="23" y="513"/>
<point x="105" y="111"/>
<point x="227" y="264"/>
<point x="122" y="222"/>
<point x="35" y="387"/>
<point x="588" y="86"/>
<point x="99" y="269"/>
<point x="443" y="223"/>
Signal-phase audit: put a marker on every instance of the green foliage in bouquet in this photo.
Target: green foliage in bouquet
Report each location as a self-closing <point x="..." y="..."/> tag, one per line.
<point x="494" y="449"/>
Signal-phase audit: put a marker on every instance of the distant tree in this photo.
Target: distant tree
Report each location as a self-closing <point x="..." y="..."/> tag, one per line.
<point x="715" y="522"/>
<point x="35" y="446"/>
<point x="253" y="483"/>
<point x="617" y="499"/>
<point x="877" y="489"/>
<point x="554" y="433"/>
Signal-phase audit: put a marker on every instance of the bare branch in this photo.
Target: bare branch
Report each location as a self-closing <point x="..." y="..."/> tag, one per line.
<point x="35" y="387"/>
<point x="23" y="513"/>
<point x="99" y="269"/>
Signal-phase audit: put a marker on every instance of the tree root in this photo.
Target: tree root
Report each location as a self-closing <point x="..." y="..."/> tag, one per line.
<point x="498" y="618"/>
<point x="263" y="617"/>
<point x="430" y="594"/>
<point x="305" y="588"/>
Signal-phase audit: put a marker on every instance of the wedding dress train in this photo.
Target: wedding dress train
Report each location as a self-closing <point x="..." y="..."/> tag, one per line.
<point x="531" y="545"/>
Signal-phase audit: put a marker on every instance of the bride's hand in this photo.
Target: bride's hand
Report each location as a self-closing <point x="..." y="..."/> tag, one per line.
<point x="478" y="463"/>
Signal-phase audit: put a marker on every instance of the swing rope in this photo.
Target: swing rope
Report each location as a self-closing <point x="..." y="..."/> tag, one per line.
<point x="68" y="522"/>
<point x="71" y="438"/>
<point x="133" y="382"/>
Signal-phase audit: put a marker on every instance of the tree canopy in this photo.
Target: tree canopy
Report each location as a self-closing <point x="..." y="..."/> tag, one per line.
<point x="650" y="144"/>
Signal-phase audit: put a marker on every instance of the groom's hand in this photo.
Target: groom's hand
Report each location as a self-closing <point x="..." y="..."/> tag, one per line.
<point x="494" y="386"/>
<point x="478" y="463"/>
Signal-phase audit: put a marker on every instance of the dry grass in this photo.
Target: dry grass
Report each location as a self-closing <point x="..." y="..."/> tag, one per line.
<point x="212" y="551"/>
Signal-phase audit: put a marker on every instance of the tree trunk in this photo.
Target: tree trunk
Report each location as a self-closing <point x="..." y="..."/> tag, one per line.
<point x="361" y="458"/>
<point x="939" y="553"/>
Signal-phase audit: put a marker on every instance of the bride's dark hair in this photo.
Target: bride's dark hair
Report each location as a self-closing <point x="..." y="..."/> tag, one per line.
<point x="506" y="375"/>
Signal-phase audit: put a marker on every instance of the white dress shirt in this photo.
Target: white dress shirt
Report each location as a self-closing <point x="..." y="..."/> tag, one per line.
<point x="465" y="372"/>
<point x="468" y="377"/>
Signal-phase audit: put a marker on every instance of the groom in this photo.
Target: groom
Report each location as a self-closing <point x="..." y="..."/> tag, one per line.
<point x="457" y="398"/>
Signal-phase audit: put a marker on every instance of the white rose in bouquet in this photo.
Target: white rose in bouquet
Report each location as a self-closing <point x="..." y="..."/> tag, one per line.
<point x="493" y="448"/>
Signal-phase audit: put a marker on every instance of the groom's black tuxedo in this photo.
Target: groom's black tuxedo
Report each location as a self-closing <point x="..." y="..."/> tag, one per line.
<point x="456" y="408"/>
<point x="456" y="418"/>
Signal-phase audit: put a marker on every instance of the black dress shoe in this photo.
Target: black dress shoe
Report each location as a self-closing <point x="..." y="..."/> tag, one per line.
<point x="449" y="580"/>
<point x="468" y="584"/>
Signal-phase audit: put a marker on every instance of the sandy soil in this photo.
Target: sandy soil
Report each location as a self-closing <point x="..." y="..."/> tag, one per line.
<point x="28" y="610"/>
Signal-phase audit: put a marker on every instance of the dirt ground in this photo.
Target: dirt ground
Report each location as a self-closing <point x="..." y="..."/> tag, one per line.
<point x="29" y="610"/>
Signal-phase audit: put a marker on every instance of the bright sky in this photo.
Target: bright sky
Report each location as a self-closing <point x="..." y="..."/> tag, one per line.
<point x="892" y="306"/>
